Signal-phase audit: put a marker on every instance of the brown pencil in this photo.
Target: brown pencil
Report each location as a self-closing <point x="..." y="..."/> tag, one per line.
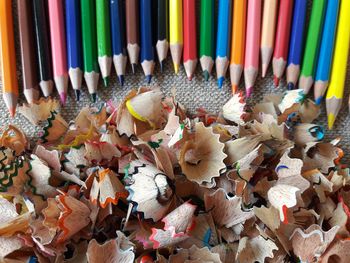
<point x="132" y="31"/>
<point x="29" y="71"/>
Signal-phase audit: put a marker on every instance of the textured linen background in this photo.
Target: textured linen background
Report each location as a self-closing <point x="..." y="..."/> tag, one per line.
<point x="192" y="94"/>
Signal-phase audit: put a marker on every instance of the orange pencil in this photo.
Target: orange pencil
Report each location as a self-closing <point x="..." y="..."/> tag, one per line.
<point x="268" y="33"/>
<point x="8" y="57"/>
<point x="238" y="42"/>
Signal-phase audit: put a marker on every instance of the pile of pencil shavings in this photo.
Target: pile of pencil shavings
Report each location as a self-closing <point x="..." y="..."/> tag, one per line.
<point x="141" y="180"/>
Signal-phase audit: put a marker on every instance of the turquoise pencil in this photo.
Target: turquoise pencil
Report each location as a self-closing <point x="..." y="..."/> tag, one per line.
<point x="326" y="52"/>
<point x="223" y="38"/>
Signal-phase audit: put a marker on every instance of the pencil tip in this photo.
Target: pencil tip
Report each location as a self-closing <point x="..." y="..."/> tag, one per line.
<point x="234" y="89"/>
<point x="176" y="68"/>
<point x="331" y="120"/>
<point x="220" y="82"/>
<point x="264" y="70"/>
<point x="161" y="66"/>
<point x="63" y="98"/>
<point x="133" y="65"/>
<point x="190" y="77"/>
<point x="93" y="97"/>
<point x="206" y="75"/>
<point x="249" y="91"/>
<point x="290" y="85"/>
<point x="276" y="81"/>
<point x="149" y="79"/>
<point x="319" y="100"/>
<point x="12" y="111"/>
<point x="77" y="94"/>
<point x="106" y="81"/>
<point x="121" y="80"/>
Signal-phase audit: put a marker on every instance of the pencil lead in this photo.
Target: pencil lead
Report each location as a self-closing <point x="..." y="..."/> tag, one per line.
<point x="161" y="66"/>
<point x="176" y="68"/>
<point x="190" y="77"/>
<point x="220" y="82"/>
<point x="234" y="89"/>
<point x="149" y="79"/>
<point x="276" y="81"/>
<point x="93" y="97"/>
<point x="77" y="94"/>
<point x="121" y="80"/>
<point x="63" y="98"/>
<point x="264" y="70"/>
<point x="12" y="111"/>
<point x="249" y="91"/>
<point x="290" y="85"/>
<point x="106" y="81"/>
<point x="206" y="75"/>
<point x="133" y="65"/>
<point x="319" y="100"/>
<point x="331" y="120"/>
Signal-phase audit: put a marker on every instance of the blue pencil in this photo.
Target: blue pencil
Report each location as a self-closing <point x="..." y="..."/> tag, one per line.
<point x="326" y="51"/>
<point x="147" y="49"/>
<point x="118" y="38"/>
<point x="296" y="43"/>
<point x="74" y="55"/>
<point x="223" y="40"/>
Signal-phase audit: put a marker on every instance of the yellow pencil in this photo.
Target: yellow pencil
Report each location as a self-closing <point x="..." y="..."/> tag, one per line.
<point x="176" y="32"/>
<point x="335" y="91"/>
<point x="8" y="57"/>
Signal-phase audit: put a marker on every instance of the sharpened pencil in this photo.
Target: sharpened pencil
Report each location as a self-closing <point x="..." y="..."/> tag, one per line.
<point x="176" y="32"/>
<point x="132" y="31"/>
<point x="29" y="64"/>
<point x="190" y="38"/>
<point x="268" y="33"/>
<point x="162" y="44"/>
<point x="8" y="57"/>
<point x="335" y="91"/>
<point x="251" y="62"/>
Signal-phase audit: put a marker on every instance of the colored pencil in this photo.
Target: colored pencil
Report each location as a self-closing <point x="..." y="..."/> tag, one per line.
<point x="251" y="62"/>
<point x="88" y="22"/>
<point x="58" y="48"/>
<point x="162" y="44"/>
<point x="223" y="40"/>
<point x="104" y="48"/>
<point x="42" y="45"/>
<point x="312" y="45"/>
<point x="29" y="70"/>
<point x="268" y="33"/>
<point x="238" y="42"/>
<point x="296" y="42"/>
<point x="118" y="38"/>
<point x="280" y="54"/>
<point x="326" y="50"/>
<point x="176" y="32"/>
<point x="207" y="37"/>
<point x="8" y="57"/>
<point x="74" y="54"/>
<point x="190" y="38"/>
<point x="335" y="91"/>
<point x="147" y="49"/>
<point x="132" y="31"/>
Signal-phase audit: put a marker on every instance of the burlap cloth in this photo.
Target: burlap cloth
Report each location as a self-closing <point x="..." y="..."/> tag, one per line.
<point x="192" y="94"/>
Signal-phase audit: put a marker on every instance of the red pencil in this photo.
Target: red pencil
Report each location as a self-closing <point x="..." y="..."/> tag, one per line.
<point x="190" y="40"/>
<point x="280" y="54"/>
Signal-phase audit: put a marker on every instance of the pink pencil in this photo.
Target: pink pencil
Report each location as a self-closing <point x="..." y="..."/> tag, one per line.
<point x="58" y="47"/>
<point x="251" y="61"/>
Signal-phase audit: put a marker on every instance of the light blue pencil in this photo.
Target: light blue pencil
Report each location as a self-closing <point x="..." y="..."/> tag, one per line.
<point x="326" y="51"/>
<point x="223" y="38"/>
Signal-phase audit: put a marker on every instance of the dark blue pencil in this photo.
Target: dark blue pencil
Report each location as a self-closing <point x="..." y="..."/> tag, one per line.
<point x="74" y="55"/>
<point x="296" y="43"/>
<point x="147" y="49"/>
<point x="118" y="38"/>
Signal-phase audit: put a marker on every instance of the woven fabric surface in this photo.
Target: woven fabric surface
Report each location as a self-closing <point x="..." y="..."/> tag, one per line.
<point x="192" y="94"/>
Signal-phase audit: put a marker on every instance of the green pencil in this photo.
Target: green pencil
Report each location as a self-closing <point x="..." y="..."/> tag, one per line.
<point x="312" y="45"/>
<point x="88" y="26"/>
<point x="207" y="37"/>
<point x="104" y="39"/>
